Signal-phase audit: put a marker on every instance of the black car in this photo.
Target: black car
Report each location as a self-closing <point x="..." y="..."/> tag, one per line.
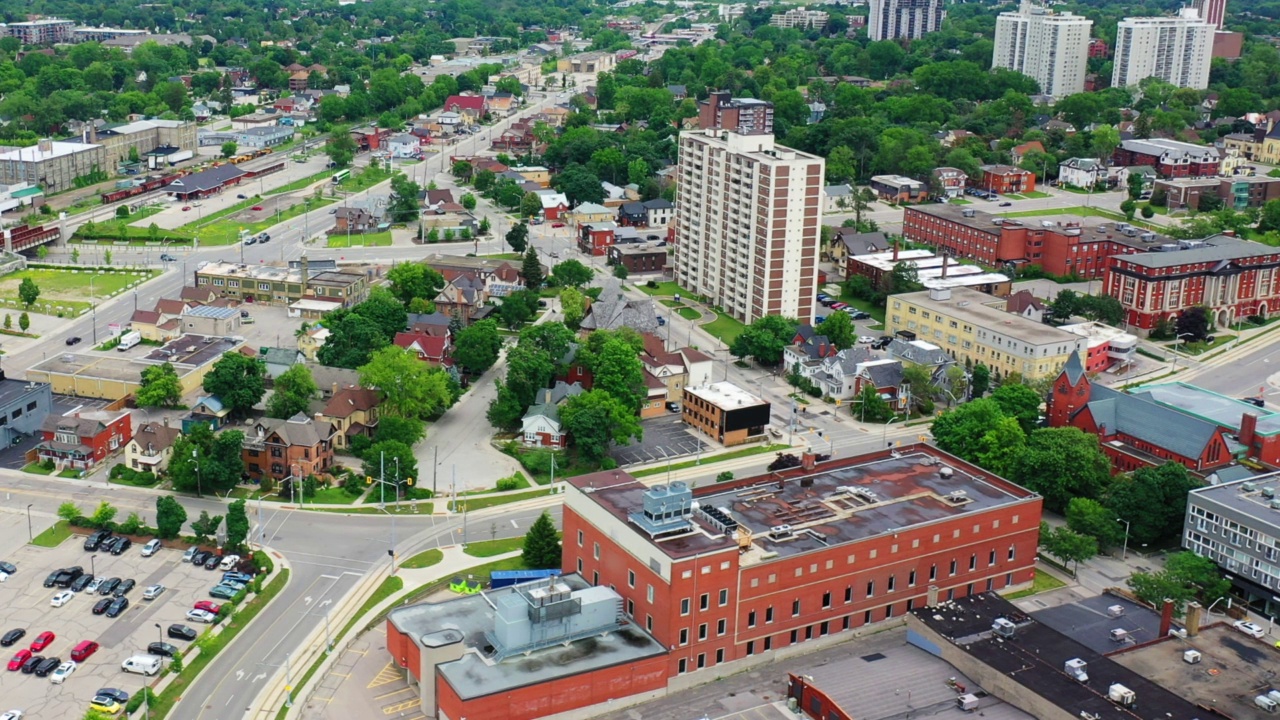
<point x="108" y="586"/>
<point x="119" y="696"/>
<point x="181" y="632"/>
<point x="69" y="575"/>
<point x="30" y="665"/>
<point x="47" y="666"/>
<point x="73" y="340"/>
<point x="166" y="257"/>
<point x="117" y="606"/>
<point x="163" y="649"/>
<point x="94" y="541"/>
<point x="52" y="579"/>
<point x="201" y="557"/>
<point x="12" y="637"/>
<point x="881" y="342"/>
<point x="212" y="562"/>
<point x="123" y="588"/>
<point x="120" y="545"/>
<point x="108" y="543"/>
<point x="8" y="568"/>
<point x="80" y="583"/>
<point x="102" y="605"/>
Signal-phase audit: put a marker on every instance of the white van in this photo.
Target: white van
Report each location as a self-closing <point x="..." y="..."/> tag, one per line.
<point x="229" y="562"/>
<point x="142" y="665"/>
<point x="151" y="548"/>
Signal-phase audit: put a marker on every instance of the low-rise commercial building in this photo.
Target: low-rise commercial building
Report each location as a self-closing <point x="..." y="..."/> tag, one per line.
<point x="1238" y="191"/>
<point x="52" y="164"/>
<point x="111" y="377"/>
<point x="648" y="257"/>
<point x="264" y="136"/>
<point x="82" y="440"/>
<point x="959" y="321"/>
<point x="725" y="412"/>
<point x="899" y="189"/>
<point x="23" y="408"/>
<point x="931" y="270"/>
<point x="1007" y="180"/>
<point x="1107" y="346"/>
<point x="277" y="285"/>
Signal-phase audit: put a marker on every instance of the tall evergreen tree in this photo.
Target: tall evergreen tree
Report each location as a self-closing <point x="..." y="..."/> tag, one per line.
<point x="542" y="545"/>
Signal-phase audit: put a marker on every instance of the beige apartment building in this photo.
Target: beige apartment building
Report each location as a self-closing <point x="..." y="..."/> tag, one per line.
<point x="958" y="321"/>
<point x="748" y="221"/>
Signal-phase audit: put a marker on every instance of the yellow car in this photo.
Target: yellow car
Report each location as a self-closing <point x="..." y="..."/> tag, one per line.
<point x="105" y="704"/>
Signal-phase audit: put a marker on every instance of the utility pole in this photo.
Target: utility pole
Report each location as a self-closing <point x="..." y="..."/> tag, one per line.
<point x="435" y="468"/>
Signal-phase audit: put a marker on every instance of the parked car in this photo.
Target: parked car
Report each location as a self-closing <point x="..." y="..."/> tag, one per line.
<point x="12" y="637"/>
<point x="557" y="225"/>
<point x="123" y="588"/>
<point x="93" y="585"/>
<point x="83" y="650"/>
<point x="222" y="592"/>
<point x="256" y="208"/>
<point x="228" y="562"/>
<point x="20" y="658"/>
<point x="240" y="196"/>
<point x="73" y="340"/>
<point x="839" y="306"/>
<point x="866" y="339"/>
<point x="152" y="592"/>
<point x="201" y="616"/>
<point x="109" y="586"/>
<point x="120" y="545"/>
<point x="106" y="705"/>
<point x="117" y="607"/>
<point x="1248" y="628"/>
<point x="42" y="641"/>
<point x="166" y="257"/>
<point x="151" y="548"/>
<point x="62" y="672"/>
<point x="119" y="696"/>
<point x="12" y="715"/>
<point x="200" y="557"/>
<point x="237" y="577"/>
<point x="251" y="240"/>
<point x="81" y="583"/>
<point x="52" y="579"/>
<point x="233" y="584"/>
<point x="107" y="543"/>
<point x="62" y="598"/>
<point x="31" y="664"/>
<point x="162" y="649"/>
<point x="102" y="605"/>
<point x="68" y="576"/>
<point x="212" y="562"/>
<point x="181" y="632"/>
<point x="191" y="551"/>
<point x="186" y="208"/>
<point x="47" y="666"/>
<point x="860" y="315"/>
<point x="207" y="606"/>
<point x="7" y="568"/>
<point x="881" y="342"/>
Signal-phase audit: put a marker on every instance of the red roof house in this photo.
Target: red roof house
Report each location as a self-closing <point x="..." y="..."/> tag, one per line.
<point x="433" y="349"/>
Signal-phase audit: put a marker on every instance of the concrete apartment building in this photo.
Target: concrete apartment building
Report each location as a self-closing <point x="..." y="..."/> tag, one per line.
<point x="1052" y="48"/>
<point x="745" y="116"/>
<point x="904" y="19"/>
<point x="959" y="321"/>
<point x="1237" y="525"/>
<point x="51" y="164"/>
<point x="749" y="214"/>
<point x="46" y="31"/>
<point x="1175" y="49"/>
<point x="800" y="18"/>
<point x="1213" y="12"/>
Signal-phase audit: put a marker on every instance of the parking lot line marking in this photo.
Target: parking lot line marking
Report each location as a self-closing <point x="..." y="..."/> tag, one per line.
<point x="387" y="675"/>
<point x="393" y="693"/>
<point x="362" y="652"/>
<point x="393" y="709"/>
<point x="339" y="675"/>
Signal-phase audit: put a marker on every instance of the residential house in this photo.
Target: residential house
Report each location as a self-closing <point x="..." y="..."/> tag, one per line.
<point x="836" y="375"/>
<point x="1148" y="174"/>
<point x="435" y="324"/>
<point x="360" y="216"/>
<point x="211" y="320"/>
<point x="331" y="380"/>
<point x="463" y="295"/>
<point x="470" y="107"/>
<point x="1018" y="152"/>
<point x="884" y="375"/>
<point x="918" y="352"/>
<point x="500" y="277"/>
<point x="597" y="237"/>
<point x="540" y="425"/>
<point x="899" y="189"/>
<point x="675" y="369"/>
<point x="848" y="242"/>
<point x="836" y="199"/>
<point x="678" y="92"/>
<point x="947" y="182"/>
<point x="589" y="213"/>
<point x="351" y="412"/>
<point x="807" y="351"/>
<point x="436" y="198"/>
<point x="432" y="349"/>
<point x="1005" y="179"/>
<point x="534" y="173"/>
<point x="404" y="145"/>
<point x="632" y="214"/>
<point x="553" y="204"/>
<point x="207" y="409"/>
<point x="154" y="327"/>
<point x="278" y="360"/>
<point x="199" y="295"/>
<point x="311" y="340"/>
<point x="952" y="138"/>
<point x="613" y="310"/>
<point x="1082" y="172"/>
<point x="659" y="212"/>
<point x="1025" y="304"/>
<point x="502" y="104"/>
<point x="151" y="447"/>
<point x="284" y="449"/>
<point x="82" y="440"/>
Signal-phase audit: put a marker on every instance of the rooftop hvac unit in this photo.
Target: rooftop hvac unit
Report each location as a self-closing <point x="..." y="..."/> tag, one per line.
<point x="967" y="702"/>
<point x="1268" y="492"/>
<point x="1122" y="695"/>
<point x="1191" y="657"/>
<point x="1248" y="487"/>
<point x="966" y="212"/>
<point x="1115" y="610"/>
<point x="780" y="531"/>
<point x="1003" y="628"/>
<point x="946" y="472"/>
<point x="1119" y="635"/>
<point x="1078" y="669"/>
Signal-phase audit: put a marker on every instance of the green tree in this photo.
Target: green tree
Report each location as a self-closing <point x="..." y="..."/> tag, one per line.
<point x="476" y="348"/>
<point x="69" y="511"/>
<point x="765" y="339"/>
<point x="229" y="149"/>
<point x="1092" y="518"/>
<point x="160" y="387"/>
<point x="960" y="431"/>
<point x="620" y="271"/>
<point x="552" y="337"/>
<point x="542" y="545"/>
<point x="1186" y="576"/>
<point x="1153" y="500"/>
<point x="1148" y="212"/>
<point x="1020" y="403"/>
<point x="411" y="280"/>
<point x="384" y="310"/>
<point x="1194" y="323"/>
<point x="529" y="370"/>
<point x="24" y="322"/>
<point x="530" y="205"/>
<point x="170" y="517"/>
<point x="341" y="148"/>
<point x="1061" y="463"/>
<point x="238" y="381"/>
<point x="518" y="237"/>
<point x="380" y="460"/>
<point x="403" y="204"/>
<point x="579" y="184"/>
<point x="1067" y="545"/>
<point x="205" y="527"/>
<point x="28" y="292"/>
<point x="840" y="330"/>
<point x="406" y="430"/>
<point x="637" y="171"/>
<point x="1134" y="186"/>
<point x="468" y="201"/>
<point x="572" y="273"/>
<point x="103" y="515"/>
<point x="353" y="338"/>
<point x="292" y="391"/>
<point x="237" y="525"/>
<point x="531" y="269"/>
<point x="573" y="306"/>
<point x="868" y="406"/>
<point x="506" y="409"/>
<point x="1066" y="305"/>
<point x="594" y="419"/>
<point x="408" y="387"/>
<point x="1129" y="208"/>
<point x="617" y="370"/>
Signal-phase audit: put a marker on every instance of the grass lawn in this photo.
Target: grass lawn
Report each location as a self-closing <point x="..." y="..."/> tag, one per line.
<point x="504" y="256"/>
<point x="712" y="459"/>
<point x="332" y="496"/>
<point x="134" y="483"/>
<point x="227" y="232"/>
<point x="489" y="548"/>
<point x="69" y="473"/>
<point x="66" y="289"/>
<point x="688" y="313"/>
<point x="959" y="201"/>
<point x="37" y="469"/>
<point x="53" y="536"/>
<point x="663" y="288"/>
<point x="671" y="303"/>
<point x="378" y="239"/>
<point x="724" y="327"/>
<point x="302" y="183"/>
<point x="1200" y="348"/>
<point x="1044" y="582"/>
<point x="1036" y="195"/>
<point x="365" y="179"/>
<point x="484" y="502"/>
<point x="423" y="559"/>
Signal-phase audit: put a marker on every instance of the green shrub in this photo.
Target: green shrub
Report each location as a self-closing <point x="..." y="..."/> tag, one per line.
<point x="135" y="702"/>
<point x="725" y="476"/>
<point x="509" y="483"/>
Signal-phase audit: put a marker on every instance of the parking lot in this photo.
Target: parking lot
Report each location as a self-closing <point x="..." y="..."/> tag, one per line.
<point x="25" y="603"/>
<point x="664" y="437"/>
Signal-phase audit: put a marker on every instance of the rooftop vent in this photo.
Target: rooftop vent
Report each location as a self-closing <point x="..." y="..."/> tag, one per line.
<point x="946" y="472"/>
<point x="1115" y="610"/>
<point x="1003" y="628"/>
<point x="1268" y="492"/>
<point x="778" y="532"/>
<point x="719" y="518"/>
<point x="666" y="509"/>
<point x="1248" y="486"/>
<point x="1122" y="695"/>
<point x="1119" y="635"/>
<point x="1077" y="668"/>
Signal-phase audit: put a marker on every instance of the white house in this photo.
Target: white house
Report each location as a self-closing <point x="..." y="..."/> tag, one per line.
<point x="660" y="212"/>
<point x="404" y="145"/>
<point x="1082" y="172"/>
<point x="835" y="375"/>
<point x="836" y="197"/>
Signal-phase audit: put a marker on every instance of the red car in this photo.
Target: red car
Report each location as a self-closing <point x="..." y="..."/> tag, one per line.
<point x="557" y="225"/>
<point x="19" y="658"/>
<point x="42" y="641"/>
<point x="256" y="208"/>
<point x="207" y="606"/>
<point x="186" y="208"/>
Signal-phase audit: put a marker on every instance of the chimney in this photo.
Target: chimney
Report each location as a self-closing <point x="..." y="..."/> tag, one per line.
<point x="93" y="132"/>
<point x="895" y="250"/>
<point x="45" y="145"/>
<point x="808" y="460"/>
<point x="1248" y="428"/>
<point x="335" y="389"/>
<point x="319" y="417"/>
<point x="1194" y="612"/>
<point x="1166" y="618"/>
<point x="945" y="258"/>
<point x="931" y="600"/>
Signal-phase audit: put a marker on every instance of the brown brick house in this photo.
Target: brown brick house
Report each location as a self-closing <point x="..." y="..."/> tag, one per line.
<point x="279" y="449"/>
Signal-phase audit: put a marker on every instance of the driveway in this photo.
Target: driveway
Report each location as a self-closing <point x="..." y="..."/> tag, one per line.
<point x="459" y="442"/>
<point x="664" y="437"/>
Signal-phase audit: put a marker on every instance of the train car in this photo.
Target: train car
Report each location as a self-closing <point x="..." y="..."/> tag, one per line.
<point x="148" y="185"/>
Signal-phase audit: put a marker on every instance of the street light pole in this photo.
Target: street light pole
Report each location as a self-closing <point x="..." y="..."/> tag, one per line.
<point x="196" y="460"/>
<point x="93" y="569"/>
<point x="30" y="536"/>
<point x="885" y="437"/>
<point x="1124" y="552"/>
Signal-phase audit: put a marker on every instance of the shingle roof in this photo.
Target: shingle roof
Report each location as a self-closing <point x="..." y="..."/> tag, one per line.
<point x="1139" y="417"/>
<point x="1074" y="369"/>
<point x="350" y="401"/>
<point x="156" y="437"/>
<point x="1219" y="248"/>
<point x="298" y="430"/>
<point x="613" y="310"/>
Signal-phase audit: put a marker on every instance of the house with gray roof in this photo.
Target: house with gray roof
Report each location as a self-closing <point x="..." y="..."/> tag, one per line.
<point x="613" y="310"/>
<point x="919" y="352"/>
<point x="835" y="375"/>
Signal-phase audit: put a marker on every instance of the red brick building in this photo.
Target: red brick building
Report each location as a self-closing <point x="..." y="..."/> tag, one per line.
<point x="1098" y="48"/>
<point x="596" y="238"/>
<point x="281" y="449"/>
<point x="1171" y="158"/>
<point x="1006" y="179"/>
<point x="1232" y="277"/>
<point x="1062" y="246"/>
<point x="771" y="561"/>
<point x="84" y="439"/>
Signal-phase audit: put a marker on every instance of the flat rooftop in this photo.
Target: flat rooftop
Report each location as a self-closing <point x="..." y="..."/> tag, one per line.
<point x="193" y="350"/>
<point x="1252" y="503"/>
<point x="1034" y="657"/>
<point x="1091" y="620"/>
<point x="1097" y="334"/>
<point x="57" y="148"/>
<point x="1216" y="249"/>
<point x="1092" y="229"/>
<point x="725" y="395"/>
<point x="12" y="391"/>
<point x="106" y="367"/>
<point x="1245" y="668"/>
<point x="466" y="619"/>
<point x="1209" y="405"/>
<point x="889" y="494"/>
<point x="967" y="305"/>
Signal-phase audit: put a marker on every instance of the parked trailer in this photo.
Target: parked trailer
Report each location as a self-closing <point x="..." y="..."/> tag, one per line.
<point x="504" y="578"/>
<point x="180" y="156"/>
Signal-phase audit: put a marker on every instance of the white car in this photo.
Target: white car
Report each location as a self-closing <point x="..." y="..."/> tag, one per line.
<point x="152" y="592"/>
<point x="3" y="577"/>
<point x="12" y="715"/>
<point x="1249" y="629"/>
<point x="201" y="616"/>
<point x="57" y="677"/>
<point x="93" y="586"/>
<point x="62" y="598"/>
<point x="864" y="339"/>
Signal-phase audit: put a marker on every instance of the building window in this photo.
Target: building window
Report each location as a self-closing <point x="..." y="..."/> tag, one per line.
<point x="684" y="666"/>
<point x="631" y="607"/>
<point x="991" y="558"/>
<point x="702" y="660"/>
<point x="751" y="647"/>
<point x="702" y="631"/>
<point x="704" y="602"/>
<point x="579" y="538"/>
<point x="826" y="599"/>
<point x="973" y="562"/>
<point x="648" y="623"/>
<point x="631" y="578"/>
<point x="848" y="593"/>
<point x="953" y="567"/>
<point x="795" y="608"/>
<point x="871" y="588"/>
<point x="595" y="550"/>
<point x="684" y="636"/>
<point x="684" y="606"/>
<point x="892" y="582"/>
<point x="751" y="619"/>
<point x="768" y="615"/>
<point x="579" y="566"/>
<point x="649" y="594"/>
<point x="724" y="597"/>
<point x="911" y="579"/>
<point x="1012" y="553"/>
<point x="721" y="626"/>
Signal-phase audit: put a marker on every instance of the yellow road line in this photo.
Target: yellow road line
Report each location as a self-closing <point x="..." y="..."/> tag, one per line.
<point x="385" y="676"/>
<point x="393" y="709"/>
<point x="384" y="696"/>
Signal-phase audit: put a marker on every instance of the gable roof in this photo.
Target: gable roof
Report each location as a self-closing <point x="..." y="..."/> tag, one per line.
<point x="432" y="346"/>
<point x="349" y="401"/>
<point x="466" y="102"/>
<point x="1140" y="417"/>
<point x="860" y="243"/>
<point x="1074" y="369"/>
<point x="145" y="317"/>
<point x="1021" y="300"/>
<point x="154" y="436"/>
<point x="614" y="310"/>
<point x="298" y="430"/>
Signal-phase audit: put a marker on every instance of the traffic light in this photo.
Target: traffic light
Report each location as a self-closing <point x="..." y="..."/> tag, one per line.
<point x="368" y="480"/>
<point x="408" y="481"/>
